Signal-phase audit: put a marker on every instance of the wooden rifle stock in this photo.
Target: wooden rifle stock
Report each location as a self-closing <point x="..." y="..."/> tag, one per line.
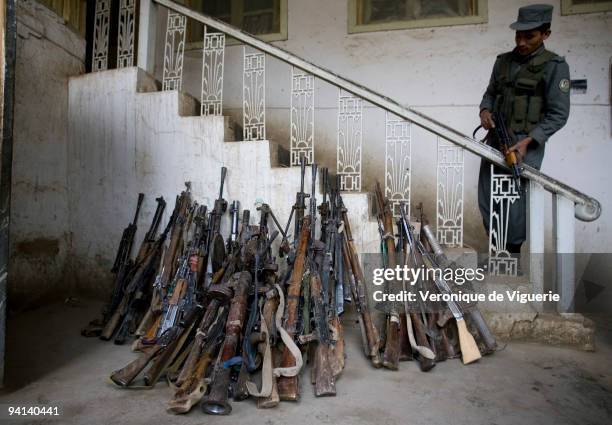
<point x="115" y="319"/>
<point x="360" y="296"/>
<point x="149" y="332"/>
<point x="191" y="385"/>
<point x="288" y="385"/>
<point x="145" y="323"/>
<point x="324" y="378"/>
<point x="329" y="361"/>
<point x="392" y="351"/>
<point x="161" y="361"/>
<point x="449" y="348"/>
<point x="469" y="349"/>
<point x="216" y="402"/>
<point x="158" y="355"/>
<point x="445" y="343"/>
<point x="124" y="377"/>
<point x="194" y="355"/>
<point x="192" y="389"/>
<point x="176" y="238"/>
<point x="164" y="360"/>
<point x="436" y="337"/>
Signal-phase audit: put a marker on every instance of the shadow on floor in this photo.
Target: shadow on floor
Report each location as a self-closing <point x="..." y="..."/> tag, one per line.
<point x="42" y="340"/>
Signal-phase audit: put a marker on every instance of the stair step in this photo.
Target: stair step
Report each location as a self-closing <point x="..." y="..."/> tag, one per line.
<point x="188" y="105"/>
<point x="232" y="130"/>
<point x="146" y="83"/>
<point x="279" y="155"/>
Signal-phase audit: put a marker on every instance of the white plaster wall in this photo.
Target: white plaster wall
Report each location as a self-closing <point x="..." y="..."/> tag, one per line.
<point x="48" y="53"/>
<point x="123" y="142"/>
<point x="442" y="72"/>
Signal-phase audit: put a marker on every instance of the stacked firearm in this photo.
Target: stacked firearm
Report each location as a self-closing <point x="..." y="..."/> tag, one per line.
<point x="223" y="317"/>
<point x="421" y="330"/>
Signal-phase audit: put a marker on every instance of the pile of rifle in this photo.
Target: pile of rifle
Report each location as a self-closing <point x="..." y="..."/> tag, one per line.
<point x="429" y="333"/>
<point x="224" y="317"/>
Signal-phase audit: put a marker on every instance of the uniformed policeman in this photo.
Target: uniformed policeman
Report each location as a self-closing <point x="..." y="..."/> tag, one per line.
<point x="530" y="87"/>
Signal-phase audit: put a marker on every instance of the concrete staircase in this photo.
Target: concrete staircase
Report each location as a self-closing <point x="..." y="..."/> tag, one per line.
<point x="126" y="137"/>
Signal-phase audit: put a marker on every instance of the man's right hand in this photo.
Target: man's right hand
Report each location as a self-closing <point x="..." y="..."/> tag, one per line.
<point x="486" y="119"/>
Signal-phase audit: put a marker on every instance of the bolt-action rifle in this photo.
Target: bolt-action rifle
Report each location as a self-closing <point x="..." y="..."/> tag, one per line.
<point x="216" y="244"/>
<point x="391" y="354"/>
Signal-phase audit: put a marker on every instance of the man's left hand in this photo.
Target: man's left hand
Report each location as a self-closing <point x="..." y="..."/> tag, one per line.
<point x="521" y="148"/>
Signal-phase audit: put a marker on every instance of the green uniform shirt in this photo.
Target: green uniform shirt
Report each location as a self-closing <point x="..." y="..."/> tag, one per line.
<point x="556" y="103"/>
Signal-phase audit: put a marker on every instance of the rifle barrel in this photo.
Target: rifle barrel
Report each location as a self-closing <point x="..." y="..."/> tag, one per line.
<point x="223" y="174"/>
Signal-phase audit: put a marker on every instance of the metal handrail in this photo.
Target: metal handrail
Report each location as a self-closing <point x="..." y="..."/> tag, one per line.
<point x="586" y="208"/>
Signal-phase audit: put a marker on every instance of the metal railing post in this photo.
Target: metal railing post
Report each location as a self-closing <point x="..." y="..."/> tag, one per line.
<point x="535" y="237"/>
<point x="564" y="238"/>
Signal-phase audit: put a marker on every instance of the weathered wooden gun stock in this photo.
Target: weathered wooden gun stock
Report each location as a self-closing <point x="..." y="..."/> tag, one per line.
<point x="324" y="378"/>
<point x="392" y="350"/>
<point x="191" y="385"/>
<point x="124" y="377"/>
<point x="288" y="385"/>
<point x="370" y="336"/>
<point x="216" y="246"/>
<point x="176" y="238"/>
<point x="216" y="403"/>
<point x="198" y="344"/>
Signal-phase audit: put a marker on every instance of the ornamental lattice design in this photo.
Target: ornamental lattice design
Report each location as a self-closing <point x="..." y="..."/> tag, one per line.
<point x="397" y="163"/>
<point x="174" y="51"/>
<point x="125" y="39"/>
<point x="213" y="57"/>
<point x="449" y="205"/>
<point x="100" y="36"/>
<point x="302" y="117"/>
<point x="350" y="132"/>
<point x="254" y="96"/>
<point x="503" y="194"/>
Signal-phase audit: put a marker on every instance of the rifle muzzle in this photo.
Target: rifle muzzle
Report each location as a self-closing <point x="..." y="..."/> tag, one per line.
<point x="216" y="402"/>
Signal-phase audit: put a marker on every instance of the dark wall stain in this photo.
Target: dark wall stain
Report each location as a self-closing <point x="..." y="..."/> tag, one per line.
<point x="38" y="247"/>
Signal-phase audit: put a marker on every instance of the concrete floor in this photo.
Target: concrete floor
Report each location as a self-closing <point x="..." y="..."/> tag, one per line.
<point x="48" y="362"/>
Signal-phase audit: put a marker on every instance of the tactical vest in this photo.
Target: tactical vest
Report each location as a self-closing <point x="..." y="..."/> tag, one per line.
<point x="521" y="99"/>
